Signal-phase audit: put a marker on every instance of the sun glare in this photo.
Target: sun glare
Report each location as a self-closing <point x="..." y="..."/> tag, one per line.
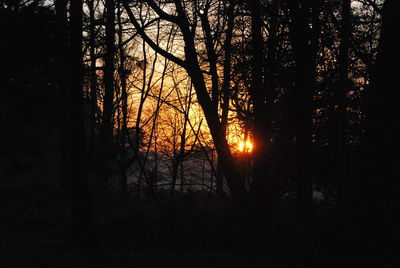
<point x="245" y="147"/>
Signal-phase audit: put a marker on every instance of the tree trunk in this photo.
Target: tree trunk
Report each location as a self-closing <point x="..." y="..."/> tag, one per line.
<point x="304" y="55"/>
<point x="211" y="114"/>
<point x="258" y="100"/>
<point x="379" y="201"/>
<point x="124" y="104"/>
<point x="221" y="144"/>
<point x="263" y="184"/>
<point x="107" y="127"/>
<point x="93" y="78"/>
<point x="272" y="191"/>
<point x="225" y="90"/>
<point x="341" y="121"/>
<point x="62" y="69"/>
<point x="107" y="124"/>
<point x="73" y="130"/>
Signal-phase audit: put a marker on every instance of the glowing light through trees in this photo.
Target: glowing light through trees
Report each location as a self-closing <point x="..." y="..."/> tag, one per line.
<point x="245" y="146"/>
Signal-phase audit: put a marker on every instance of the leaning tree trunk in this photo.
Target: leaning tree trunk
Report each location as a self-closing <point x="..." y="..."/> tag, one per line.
<point x="192" y="66"/>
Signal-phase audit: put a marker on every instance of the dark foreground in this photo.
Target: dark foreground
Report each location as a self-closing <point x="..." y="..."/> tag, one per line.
<point x="191" y="230"/>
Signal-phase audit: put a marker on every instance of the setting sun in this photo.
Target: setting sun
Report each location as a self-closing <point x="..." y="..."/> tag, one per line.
<point x="246" y="147"/>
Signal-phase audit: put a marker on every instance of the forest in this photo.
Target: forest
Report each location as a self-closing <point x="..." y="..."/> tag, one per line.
<point x="199" y="133"/>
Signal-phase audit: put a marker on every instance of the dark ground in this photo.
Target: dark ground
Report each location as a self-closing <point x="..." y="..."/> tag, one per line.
<point x="192" y="230"/>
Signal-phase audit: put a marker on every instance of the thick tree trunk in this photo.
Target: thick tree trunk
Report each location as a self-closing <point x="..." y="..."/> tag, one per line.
<point x="62" y="69"/>
<point x="258" y="97"/>
<point x="73" y="139"/>
<point x="221" y="144"/>
<point x="225" y="90"/>
<point x="263" y="184"/>
<point x="211" y="114"/>
<point x="272" y="191"/>
<point x="107" y="127"/>
<point x="379" y="201"/>
<point x="304" y="55"/>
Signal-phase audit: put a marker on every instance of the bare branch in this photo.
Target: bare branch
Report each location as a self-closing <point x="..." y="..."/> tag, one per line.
<point x="149" y="41"/>
<point x="164" y="15"/>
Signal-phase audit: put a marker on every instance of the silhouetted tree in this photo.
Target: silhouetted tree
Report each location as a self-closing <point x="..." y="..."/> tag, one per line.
<point x="107" y="123"/>
<point x="73" y="139"/>
<point x="192" y="66"/>
<point x="379" y="200"/>
<point x="123" y="76"/>
<point x="304" y="38"/>
<point x="341" y="120"/>
<point x="226" y="88"/>
<point x="93" y="76"/>
<point x="258" y="98"/>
